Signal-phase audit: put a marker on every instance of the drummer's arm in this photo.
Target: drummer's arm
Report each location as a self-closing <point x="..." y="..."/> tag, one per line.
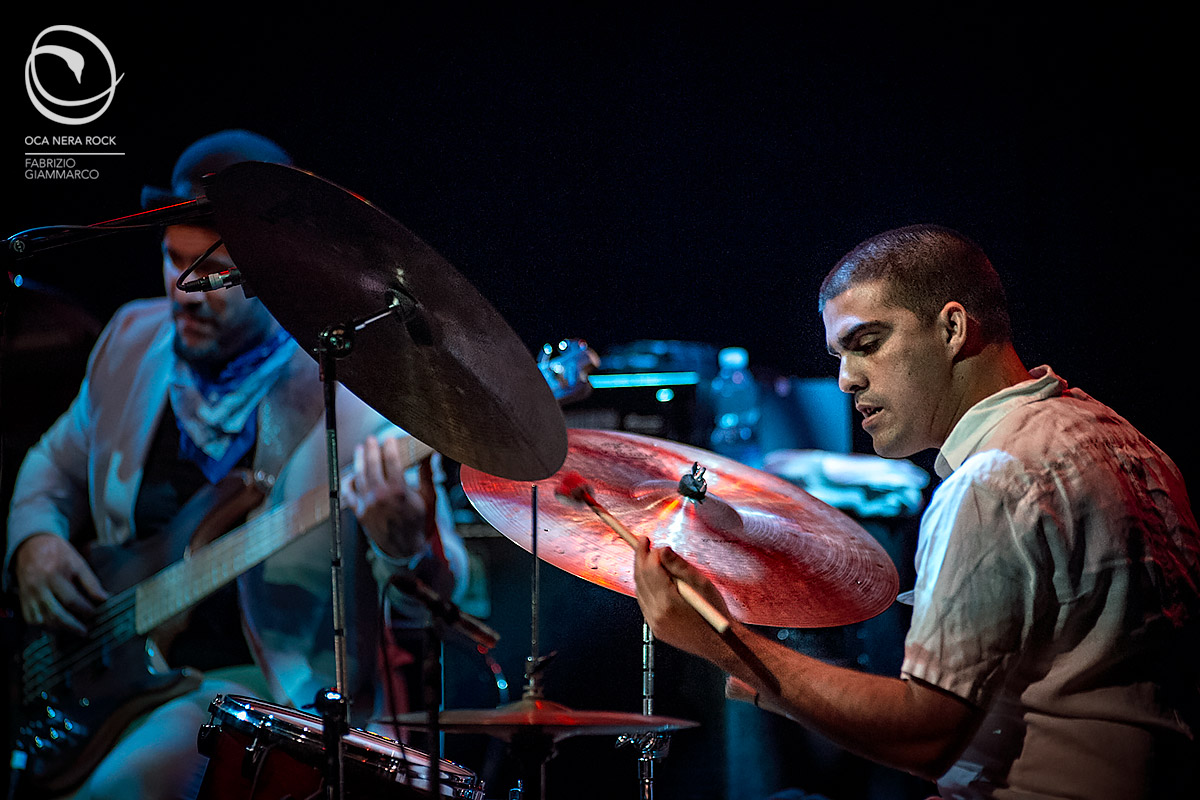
<point x="905" y="724"/>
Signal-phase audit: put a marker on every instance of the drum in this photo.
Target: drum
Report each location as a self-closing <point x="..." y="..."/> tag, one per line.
<point x="260" y="751"/>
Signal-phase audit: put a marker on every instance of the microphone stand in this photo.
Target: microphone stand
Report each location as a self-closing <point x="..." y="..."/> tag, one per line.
<point x="433" y="702"/>
<point x="28" y="243"/>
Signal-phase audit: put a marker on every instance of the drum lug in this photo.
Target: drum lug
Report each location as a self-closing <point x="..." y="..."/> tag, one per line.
<point x="254" y="754"/>
<point x="206" y="739"/>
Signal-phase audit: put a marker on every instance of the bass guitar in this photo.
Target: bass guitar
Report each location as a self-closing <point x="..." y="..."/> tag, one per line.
<point x="79" y="693"/>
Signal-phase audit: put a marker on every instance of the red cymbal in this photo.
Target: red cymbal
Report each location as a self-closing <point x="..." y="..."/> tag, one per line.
<point x="542" y="716"/>
<point x="779" y="556"/>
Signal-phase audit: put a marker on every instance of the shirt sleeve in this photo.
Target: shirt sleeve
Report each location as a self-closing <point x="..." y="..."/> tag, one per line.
<point x="50" y="494"/>
<point x="975" y="599"/>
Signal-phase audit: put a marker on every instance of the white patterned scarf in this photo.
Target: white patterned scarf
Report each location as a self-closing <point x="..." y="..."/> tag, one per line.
<point x="217" y="418"/>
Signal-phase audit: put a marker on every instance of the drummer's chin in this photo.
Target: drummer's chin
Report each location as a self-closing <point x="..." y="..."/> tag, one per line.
<point x="892" y="447"/>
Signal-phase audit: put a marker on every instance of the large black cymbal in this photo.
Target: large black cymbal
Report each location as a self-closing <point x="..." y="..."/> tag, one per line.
<point x="452" y="373"/>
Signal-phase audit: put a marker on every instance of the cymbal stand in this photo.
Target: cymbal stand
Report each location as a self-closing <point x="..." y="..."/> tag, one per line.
<point x="652" y="746"/>
<point x="533" y="671"/>
<point x="534" y="748"/>
<point x="335" y="342"/>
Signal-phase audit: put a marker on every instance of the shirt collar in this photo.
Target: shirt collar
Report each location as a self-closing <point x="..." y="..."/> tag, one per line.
<point x="982" y="417"/>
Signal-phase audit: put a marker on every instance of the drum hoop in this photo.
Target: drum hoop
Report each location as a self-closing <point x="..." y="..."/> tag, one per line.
<point x="280" y="726"/>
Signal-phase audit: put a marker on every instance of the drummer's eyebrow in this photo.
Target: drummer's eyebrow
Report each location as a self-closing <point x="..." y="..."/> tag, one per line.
<point x="847" y="340"/>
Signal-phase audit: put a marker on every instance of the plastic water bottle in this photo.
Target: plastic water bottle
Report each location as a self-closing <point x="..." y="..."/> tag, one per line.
<point x="736" y="408"/>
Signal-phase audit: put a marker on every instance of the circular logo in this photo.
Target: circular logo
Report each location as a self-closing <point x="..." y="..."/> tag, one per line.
<point x="43" y="99"/>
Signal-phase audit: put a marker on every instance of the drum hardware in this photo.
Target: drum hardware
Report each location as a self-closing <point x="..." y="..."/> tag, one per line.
<point x="261" y="751"/>
<point x="750" y="532"/>
<point x="444" y="365"/>
<point x="337" y="342"/>
<point x="652" y="747"/>
<point x="693" y="487"/>
<point x="442" y="613"/>
<point x="533" y="725"/>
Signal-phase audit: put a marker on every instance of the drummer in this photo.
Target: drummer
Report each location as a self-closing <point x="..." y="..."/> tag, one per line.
<point x="1053" y="648"/>
<point x="180" y="391"/>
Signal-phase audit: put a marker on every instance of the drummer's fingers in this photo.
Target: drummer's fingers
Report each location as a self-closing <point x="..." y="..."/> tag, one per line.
<point x="678" y="566"/>
<point x="683" y="572"/>
<point x="648" y="574"/>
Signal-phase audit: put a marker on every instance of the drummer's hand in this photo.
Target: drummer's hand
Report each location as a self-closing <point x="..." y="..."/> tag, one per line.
<point x="670" y="618"/>
<point x="56" y="586"/>
<point x="389" y="510"/>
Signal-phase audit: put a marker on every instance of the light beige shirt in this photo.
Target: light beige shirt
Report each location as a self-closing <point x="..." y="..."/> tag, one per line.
<point x="1058" y="572"/>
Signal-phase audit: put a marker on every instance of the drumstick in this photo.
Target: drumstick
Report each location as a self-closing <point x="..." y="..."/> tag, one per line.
<point x="574" y="487"/>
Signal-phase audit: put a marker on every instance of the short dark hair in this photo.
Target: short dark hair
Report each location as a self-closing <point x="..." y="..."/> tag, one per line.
<point x="922" y="268"/>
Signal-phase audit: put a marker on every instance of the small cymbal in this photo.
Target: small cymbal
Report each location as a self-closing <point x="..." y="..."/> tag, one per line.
<point x="541" y="716"/>
<point x="779" y="556"/>
<point x="451" y="372"/>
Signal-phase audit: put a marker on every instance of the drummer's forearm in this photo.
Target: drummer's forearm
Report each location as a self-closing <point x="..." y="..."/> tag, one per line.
<point x="901" y="723"/>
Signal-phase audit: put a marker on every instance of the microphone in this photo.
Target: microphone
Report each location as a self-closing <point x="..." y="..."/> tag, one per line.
<point x="446" y="611"/>
<point x="224" y="279"/>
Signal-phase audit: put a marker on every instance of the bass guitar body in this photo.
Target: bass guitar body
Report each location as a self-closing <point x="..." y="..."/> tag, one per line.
<point x="79" y="693"/>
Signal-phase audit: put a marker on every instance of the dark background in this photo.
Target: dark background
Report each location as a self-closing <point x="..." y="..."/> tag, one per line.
<point x="674" y="174"/>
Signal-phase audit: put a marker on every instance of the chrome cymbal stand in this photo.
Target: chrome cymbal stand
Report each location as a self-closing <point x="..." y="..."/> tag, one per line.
<point x="652" y="746"/>
<point x="336" y="342"/>
<point x="533" y="748"/>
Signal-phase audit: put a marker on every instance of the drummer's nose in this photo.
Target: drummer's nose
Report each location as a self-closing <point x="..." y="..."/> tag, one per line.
<point x="851" y="378"/>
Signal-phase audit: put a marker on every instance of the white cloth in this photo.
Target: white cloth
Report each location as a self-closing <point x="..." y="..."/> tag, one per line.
<point x="1058" y="567"/>
<point x="214" y="420"/>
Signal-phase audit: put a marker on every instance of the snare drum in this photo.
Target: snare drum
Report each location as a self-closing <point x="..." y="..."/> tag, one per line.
<point x="260" y="751"/>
